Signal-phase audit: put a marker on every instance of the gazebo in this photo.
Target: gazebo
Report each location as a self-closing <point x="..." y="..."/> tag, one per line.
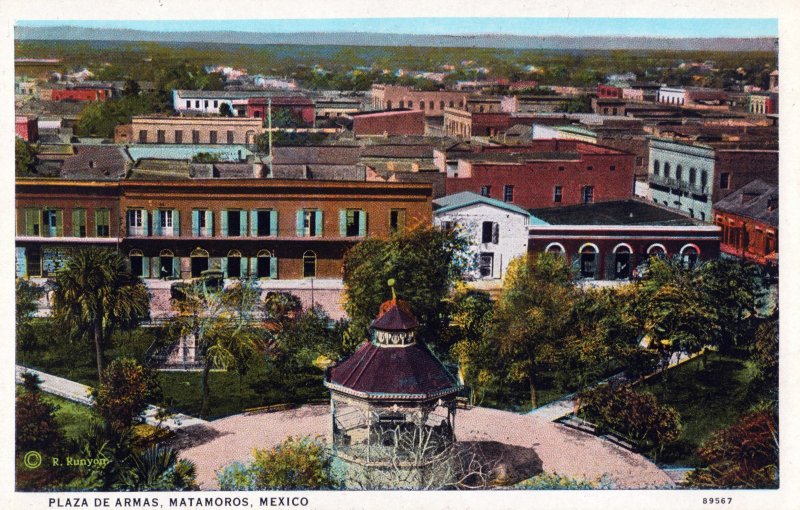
<point x="393" y="408"/>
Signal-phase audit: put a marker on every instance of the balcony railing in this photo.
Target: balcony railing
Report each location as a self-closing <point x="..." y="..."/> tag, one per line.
<point x="682" y="185"/>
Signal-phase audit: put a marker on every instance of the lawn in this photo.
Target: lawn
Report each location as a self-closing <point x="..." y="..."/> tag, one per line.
<point x="707" y="399"/>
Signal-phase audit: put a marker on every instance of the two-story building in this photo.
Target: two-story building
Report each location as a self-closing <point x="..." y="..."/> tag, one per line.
<point x="161" y="129"/>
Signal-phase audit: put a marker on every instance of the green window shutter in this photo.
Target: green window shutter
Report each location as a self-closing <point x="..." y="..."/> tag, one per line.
<point x="273" y="268"/>
<point x="155" y="268"/>
<point x="243" y="222"/>
<point x="362" y="223"/>
<point x="224" y="267"/>
<point x="76" y="222"/>
<point x="242" y="267"/>
<point x="30" y="221"/>
<point x="342" y="222"/>
<point x="156" y="222"/>
<point x="145" y="267"/>
<point x="253" y="223"/>
<point x="300" y="222"/>
<point x="319" y="223"/>
<point x="176" y="223"/>
<point x="253" y="267"/>
<point x="209" y="223"/>
<point x="145" y="223"/>
<point x="273" y="222"/>
<point x="195" y="223"/>
<point x="21" y="262"/>
<point x="59" y="223"/>
<point x="224" y="222"/>
<point x="176" y="267"/>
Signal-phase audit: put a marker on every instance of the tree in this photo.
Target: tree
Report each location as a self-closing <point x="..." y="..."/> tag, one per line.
<point x="765" y="354"/>
<point x="24" y="157"/>
<point x="281" y="307"/>
<point x="158" y="468"/>
<point x="424" y="262"/>
<point x="27" y="294"/>
<point x="131" y="88"/>
<point x="205" y="157"/>
<point x="125" y="388"/>
<point x="299" y="463"/>
<point x="36" y="426"/>
<point x="744" y="455"/>
<point x="225" y="110"/>
<point x="531" y="316"/>
<point x="223" y="327"/>
<point x="94" y="294"/>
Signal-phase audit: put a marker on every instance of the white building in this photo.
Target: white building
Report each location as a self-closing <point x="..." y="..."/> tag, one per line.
<point x="498" y="230"/>
<point x="681" y="177"/>
<point x="672" y="95"/>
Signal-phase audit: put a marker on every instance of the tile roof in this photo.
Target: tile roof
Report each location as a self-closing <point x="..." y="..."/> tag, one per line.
<point x="94" y="162"/>
<point x="753" y="201"/>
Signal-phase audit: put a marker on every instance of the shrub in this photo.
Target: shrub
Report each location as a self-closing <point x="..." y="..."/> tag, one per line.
<point x="123" y="393"/>
<point x="36" y="427"/>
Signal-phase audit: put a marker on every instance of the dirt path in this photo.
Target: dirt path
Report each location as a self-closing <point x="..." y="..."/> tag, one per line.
<point x="561" y="449"/>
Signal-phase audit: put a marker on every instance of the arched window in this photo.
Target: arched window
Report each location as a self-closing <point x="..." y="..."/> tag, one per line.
<point x="623" y="254"/>
<point x="692" y="175"/>
<point x="678" y="172"/>
<point x="422" y="105"/>
<point x="657" y="250"/>
<point x="430" y="105"/>
<point x="666" y="170"/>
<point x="166" y="260"/>
<point x="555" y="248"/>
<point x="199" y="259"/>
<point x="137" y="263"/>
<point x="451" y="104"/>
<point x="441" y="105"/>
<point x="656" y="167"/>
<point x="690" y="255"/>
<point x="402" y="104"/>
<point x="233" y="264"/>
<point x="264" y="264"/>
<point x="589" y="254"/>
<point x="309" y="264"/>
<point x="703" y="178"/>
<point x="389" y="105"/>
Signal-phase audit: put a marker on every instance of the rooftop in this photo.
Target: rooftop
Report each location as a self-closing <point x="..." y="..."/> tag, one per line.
<point x="753" y="201"/>
<point x="468" y="198"/>
<point x="624" y="212"/>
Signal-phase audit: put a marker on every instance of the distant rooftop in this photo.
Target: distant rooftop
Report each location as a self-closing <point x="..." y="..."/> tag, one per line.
<point x="625" y="212"/>
<point x="468" y="198"/>
<point x="187" y="152"/>
<point x="757" y="200"/>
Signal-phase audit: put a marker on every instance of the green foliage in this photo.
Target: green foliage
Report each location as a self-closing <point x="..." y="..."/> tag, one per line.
<point x="94" y="294"/>
<point x="309" y="335"/>
<point x="99" y="118"/>
<point x="744" y="455"/>
<point x="425" y="262"/>
<point x="281" y="307"/>
<point x="158" y="468"/>
<point x="131" y="88"/>
<point x="634" y="415"/>
<point x="27" y="294"/>
<point x="125" y="388"/>
<point x="36" y="426"/>
<point x="24" y="157"/>
<point x="582" y="104"/>
<point x="225" y="110"/>
<point x="765" y="354"/>
<point x="554" y="481"/>
<point x="205" y="157"/>
<point x="236" y="477"/>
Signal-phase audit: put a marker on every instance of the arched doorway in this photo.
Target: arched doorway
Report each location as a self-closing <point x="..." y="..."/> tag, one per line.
<point x="199" y="258"/>
<point x="309" y="264"/>
<point x="264" y="263"/>
<point x="657" y="250"/>
<point x="690" y="254"/>
<point x="233" y="265"/>
<point x="137" y="262"/>
<point x="623" y="254"/>
<point x="166" y="260"/>
<point x="589" y="254"/>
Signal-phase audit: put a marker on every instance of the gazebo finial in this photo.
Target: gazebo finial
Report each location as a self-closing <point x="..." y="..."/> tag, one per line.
<point x="391" y="282"/>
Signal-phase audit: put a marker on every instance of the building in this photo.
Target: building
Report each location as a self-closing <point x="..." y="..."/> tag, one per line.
<point x="301" y="109"/>
<point x="81" y="93"/>
<point x="333" y="108"/>
<point x="610" y="241"/>
<point x="608" y="106"/>
<point x="27" y="127"/>
<point x="764" y="104"/>
<point x="546" y="173"/>
<point x="498" y="231"/>
<point x="433" y="103"/>
<point x="690" y="177"/>
<point x="465" y="124"/>
<point x="609" y="91"/>
<point x="393" y="408"/>
<point x="748" y="218"/>
<point x="684" y="96"/>
<point x="389" y="122"/>
<point x="189" y="130"/>
<point x="208" y="102"/>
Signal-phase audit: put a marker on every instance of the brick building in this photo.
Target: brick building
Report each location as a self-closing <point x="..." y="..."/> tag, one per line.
<point x="433" y="103"/>
<point x="27" y="127"/>
<point x="610" y="241"/>
<point x="546" y="173"/>
<point x="748" y="218"/>
<point x="389" y="122"/>
<point x="609" y="91"/>
<point x="189" y="130"/>
<point x="299" y="108"/>
<point x="81" y="94"/>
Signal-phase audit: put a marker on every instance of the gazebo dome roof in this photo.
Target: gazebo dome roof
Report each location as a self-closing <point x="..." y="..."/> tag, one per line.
<point x="395" y="315"/>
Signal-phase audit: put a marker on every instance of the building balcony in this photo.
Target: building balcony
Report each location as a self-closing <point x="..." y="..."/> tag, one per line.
<point x="682" y="185"/>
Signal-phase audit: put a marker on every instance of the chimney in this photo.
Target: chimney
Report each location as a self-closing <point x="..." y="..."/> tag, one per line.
<point x="772" y="203"/>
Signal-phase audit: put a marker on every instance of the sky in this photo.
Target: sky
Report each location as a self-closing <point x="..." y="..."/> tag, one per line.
<point x="660" y="27"/>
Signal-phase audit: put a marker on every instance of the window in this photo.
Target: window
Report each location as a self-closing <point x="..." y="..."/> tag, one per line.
<point x="588" y="194"/>
<point x="486" y="191"/>
<point x="703" y="179"/>
<point x="589" y="168"/>
<point x="101" y="222"/>
<point x="234" y="223"/>
<point x="557" y="194"/>
<point x="266" y="265"/>
<point x="561" y="169"/>
<point x="691" y="213"/>
<point x="622" y="263"/>
<point x="161" y="136"/>
<point x="639" y="161"/>
<point x="402" y="104"/>
<point x="441" y="105"/>
<point x="167" y="268"/>
<point x="205" y="103"/>
<point x="678" y="172"/>
<point x="166" y="221"/>
<point x="666" y="170"/>
<point x="230" y="137"/>
<point x="555" y="248"/>
<point x="216" y="104"/>
<point x="692" y="175"/>
<point x="480" y="108"/>
<point x="257" y="114"/>
<point x="137" y="263"/>
<point x="430" y="105"/>
<point x="612" y="168"/>
<point x="79" y="222"/>
<point x="656" y="167"/>
<point x="52" y="223"/>
<point x="397" y="220"/>
<point x="352" y="223"/>
<point x="490" y="232"/>
<point x="202" y="223"/>
<point x="689" y="256"/>
<point x="486" y="264"/>
<point x="195" y="136"/>
<point x="309" y="264"/>
<point x="422" y="105"/>
<point x="724" y="180"/>
<point x="199" y="262"/>
<point x="508" y="193"/>
<point x="234" y="264"/>
<point x="188" y="104"/>
<point x="388" y="105"/>
<point x="309" y="223"/>
<point x="264" y="223"/>
<point x="197" y="103"/>
<point x="451" y="104"/>
<point x="212" y="137"/>
<point x="33" y="222"/>
<point x="137" y="222"/>
<point x="142" y="136"/>
<point x="33" y="262"/>
<point x="702" y="216"/>
<point x="178" y="136"/>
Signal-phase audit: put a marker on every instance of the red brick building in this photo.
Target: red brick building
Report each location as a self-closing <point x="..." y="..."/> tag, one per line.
<point x="433" y="103"/>
<point x="609" y="91"/>
<point x="81" y="94"/>
<point x="749" y="222"/>
<point x="390" y="122"/>
<point x="301" y="108"/>
<point x="546" y="173"/>
<point x="27" y="128"/>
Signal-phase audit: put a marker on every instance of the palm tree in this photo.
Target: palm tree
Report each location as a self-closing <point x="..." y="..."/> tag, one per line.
<point x="94" y="294"/>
